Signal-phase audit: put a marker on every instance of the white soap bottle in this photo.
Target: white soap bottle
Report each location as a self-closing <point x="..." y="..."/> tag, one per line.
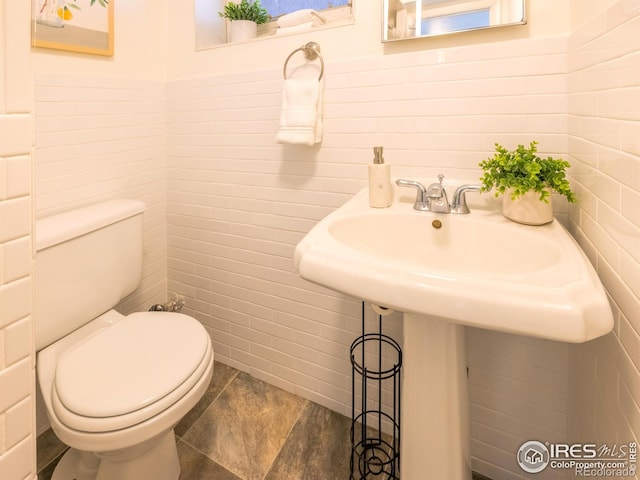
<point x="379" y="181"/>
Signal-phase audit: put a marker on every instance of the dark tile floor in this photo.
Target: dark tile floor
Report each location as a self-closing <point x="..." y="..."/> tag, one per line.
<point x="246" y="429"/>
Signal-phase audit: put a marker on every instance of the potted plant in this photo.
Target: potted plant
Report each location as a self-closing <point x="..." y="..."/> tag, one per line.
<point x="244" y="18"/>
<point x="526" y="180"/>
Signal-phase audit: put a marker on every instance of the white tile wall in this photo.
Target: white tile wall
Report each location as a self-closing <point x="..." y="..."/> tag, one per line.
<point x="604" y="129"/>
<point x="518" y="387"/>
<point x="17" y="378"/>
<point x="101" y="138"/>
<point x="238" y="203"/>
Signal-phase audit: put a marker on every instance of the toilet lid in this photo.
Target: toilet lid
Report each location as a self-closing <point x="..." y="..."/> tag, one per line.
<point x="130" y="364"/>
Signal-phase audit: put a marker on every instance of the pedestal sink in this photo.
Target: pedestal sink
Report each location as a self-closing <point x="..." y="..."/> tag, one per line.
<point x="445" y="271"/>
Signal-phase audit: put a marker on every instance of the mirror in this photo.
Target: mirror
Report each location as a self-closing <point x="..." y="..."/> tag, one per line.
<point x="405" y="19"/>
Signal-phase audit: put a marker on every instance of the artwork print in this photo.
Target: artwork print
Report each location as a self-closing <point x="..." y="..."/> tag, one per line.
<point x="74" y="25"/>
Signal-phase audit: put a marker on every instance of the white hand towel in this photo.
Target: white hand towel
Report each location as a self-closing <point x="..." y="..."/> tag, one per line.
<point x="301" y="115"/>
<point x="319" y="127"/>
<point x="300" y="16"/>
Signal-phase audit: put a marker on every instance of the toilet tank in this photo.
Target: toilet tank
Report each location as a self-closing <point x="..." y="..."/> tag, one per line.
<point x="87" y="260"/>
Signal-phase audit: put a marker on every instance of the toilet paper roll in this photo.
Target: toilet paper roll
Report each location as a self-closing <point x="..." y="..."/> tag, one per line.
<point x="384" y="311"/>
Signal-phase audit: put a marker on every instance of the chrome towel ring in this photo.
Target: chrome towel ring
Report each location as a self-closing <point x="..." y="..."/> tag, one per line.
<point x="311" y="51"/>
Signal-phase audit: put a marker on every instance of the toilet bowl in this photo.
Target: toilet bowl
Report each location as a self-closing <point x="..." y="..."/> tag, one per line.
<point x="114" y="386"/>
<point x="119" y="385"/>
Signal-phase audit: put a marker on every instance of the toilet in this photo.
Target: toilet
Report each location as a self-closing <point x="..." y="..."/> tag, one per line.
<point x="114" y="386"/>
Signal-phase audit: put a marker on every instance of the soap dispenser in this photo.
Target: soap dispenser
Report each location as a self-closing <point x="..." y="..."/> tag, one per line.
<point x="379" y="181"/>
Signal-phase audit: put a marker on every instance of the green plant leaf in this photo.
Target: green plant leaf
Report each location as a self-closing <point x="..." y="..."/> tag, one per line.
<point x="523" y="170"/>
<point x="245" y="10"/>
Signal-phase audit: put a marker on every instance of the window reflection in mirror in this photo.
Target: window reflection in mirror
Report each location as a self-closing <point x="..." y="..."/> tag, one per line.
<point x="422" y="18"/>
<point x="282" y="7"/>
<point x="211" y="29"/>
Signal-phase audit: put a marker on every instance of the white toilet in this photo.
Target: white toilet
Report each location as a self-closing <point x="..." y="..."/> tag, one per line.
<point x="114" y="386"/>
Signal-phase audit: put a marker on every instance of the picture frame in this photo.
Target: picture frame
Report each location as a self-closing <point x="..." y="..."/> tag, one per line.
<point x="84" y="26"/>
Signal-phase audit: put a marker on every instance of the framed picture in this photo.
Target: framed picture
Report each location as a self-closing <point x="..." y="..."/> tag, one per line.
<point x="84" y="26"/>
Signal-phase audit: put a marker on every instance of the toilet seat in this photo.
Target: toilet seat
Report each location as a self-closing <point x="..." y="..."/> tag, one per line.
<point x="130" y="371"/>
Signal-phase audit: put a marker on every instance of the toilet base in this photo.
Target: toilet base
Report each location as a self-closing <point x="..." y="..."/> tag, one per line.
<point x="77" y="465"/>
<point x="157" y="459"/>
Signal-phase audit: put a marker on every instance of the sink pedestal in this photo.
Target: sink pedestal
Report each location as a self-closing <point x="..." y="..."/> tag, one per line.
<point x="435" y="405"/>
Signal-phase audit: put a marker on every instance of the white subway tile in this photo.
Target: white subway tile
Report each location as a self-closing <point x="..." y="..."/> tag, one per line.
<point x="17" y="341"/>
<point x="236" y="199"/>
<point x="620" y="292"/>
<point x="18" y="176"/>
<point x="15" y="298"/>
<point x="272" y="355"/>
<point x="623" y="232"/>
<point x="623" y="167"/>
<point x="18" y="87"/>
<point x="629" y="373"/>
<point x="630" y="273"/>
<point x="18" y="420"/>
<point x="602" y="240"/>
<point x="15" y="134"/>
<point x="15" y="383"/>
<point x="630" y="339"/>
<point x="16" y="464"/>
<point x="630" y="408"/>
<point x="620" y="103"/>
<point x="629" y="71"/>
<point x="621" y="22"/>
<point x="15" y="259"/>
<point x="630" y="137"/>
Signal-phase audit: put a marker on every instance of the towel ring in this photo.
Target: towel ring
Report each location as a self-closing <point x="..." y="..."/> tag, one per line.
<point x="311" y="52"/>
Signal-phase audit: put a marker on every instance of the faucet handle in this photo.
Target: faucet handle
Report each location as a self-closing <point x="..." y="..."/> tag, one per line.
<point x="436" y="190"/>
<point x="422" y="202"/>
<point x="459" y="202"/>
<point x="438" y="201"/>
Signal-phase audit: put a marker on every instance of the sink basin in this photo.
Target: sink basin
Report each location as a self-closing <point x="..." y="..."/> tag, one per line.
<point x="478" y="269"/>
<point x="444" y="271"/>
<point x="450" y="249"/>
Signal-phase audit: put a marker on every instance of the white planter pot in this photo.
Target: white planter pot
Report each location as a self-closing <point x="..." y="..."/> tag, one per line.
<point x="527" y="209"/>
<point x="241" y="30"/>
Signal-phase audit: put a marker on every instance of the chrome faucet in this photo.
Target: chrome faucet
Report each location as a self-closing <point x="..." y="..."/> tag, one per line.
<point x="434" y="197"/>
<point x="459" y="202"/>
<point x="422" y="201"/>
<point x="438" y="202"/>
<point x="431" y="199"/>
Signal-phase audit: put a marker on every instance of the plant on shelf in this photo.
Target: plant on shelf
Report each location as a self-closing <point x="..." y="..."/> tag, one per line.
<point x="245" y="10"/>
<point x="525" y="179"/>
<point x="521" y="170"/>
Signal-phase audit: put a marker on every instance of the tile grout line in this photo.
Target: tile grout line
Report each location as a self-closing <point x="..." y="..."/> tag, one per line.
<point x="293" y="425"/>
<point x="181" y="439"/>
<point x="55" y="460"/>
<point x="228" y="469"/>
<point x="207" y="408"/>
